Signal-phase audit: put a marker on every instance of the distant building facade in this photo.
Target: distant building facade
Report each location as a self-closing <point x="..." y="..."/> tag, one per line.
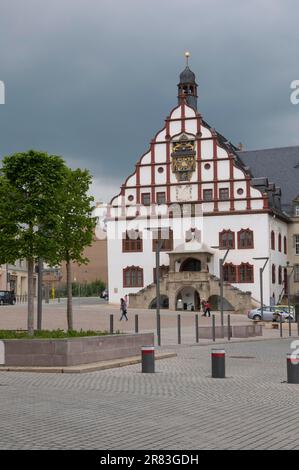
<point x="96" y="269"/>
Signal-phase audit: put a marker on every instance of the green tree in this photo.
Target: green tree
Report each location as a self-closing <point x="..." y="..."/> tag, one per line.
<point x="76" y="227"/>
<point x="31" y="185"/>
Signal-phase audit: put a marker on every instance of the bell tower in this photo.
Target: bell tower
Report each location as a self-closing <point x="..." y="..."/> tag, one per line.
<point x="187" y="86"/>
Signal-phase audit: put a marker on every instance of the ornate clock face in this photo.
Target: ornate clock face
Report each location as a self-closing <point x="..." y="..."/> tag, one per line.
<point x="183" y="158"/>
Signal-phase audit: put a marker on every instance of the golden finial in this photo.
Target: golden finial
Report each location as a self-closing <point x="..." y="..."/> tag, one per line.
<point x="187" y="55"/>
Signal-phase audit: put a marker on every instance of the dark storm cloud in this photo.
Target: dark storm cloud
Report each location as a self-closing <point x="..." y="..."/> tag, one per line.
<point x="93" y="80"/>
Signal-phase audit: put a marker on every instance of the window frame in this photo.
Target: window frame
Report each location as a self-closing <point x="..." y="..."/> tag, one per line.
<point x="272" y="240"/>
<point x="135" y="277"/>
<point x="296" y="273"/>
<point x="130" y="245"/>
<point x="159" y="194"/>
<point x="205" y="192"/>
<point x="167" y="244"/>
<point x="230" y="272"/>
<point x="279" y="242"/>
<point x="226" y="246"/>
<point x="248" y="279"/>
<point x="248" y="246"/>
<point x="223" y="198"/>
<point x="273" y="274"/>
<point x="143" y="195"/>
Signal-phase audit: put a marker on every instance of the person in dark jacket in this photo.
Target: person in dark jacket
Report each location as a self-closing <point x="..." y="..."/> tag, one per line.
<point x="123" y="310"/>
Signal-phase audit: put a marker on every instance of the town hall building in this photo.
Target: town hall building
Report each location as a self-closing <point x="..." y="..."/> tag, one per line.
<point x="194" y="194"/>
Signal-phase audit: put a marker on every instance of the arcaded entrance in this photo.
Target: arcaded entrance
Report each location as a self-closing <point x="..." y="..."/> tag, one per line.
<point x="188" y="299"/>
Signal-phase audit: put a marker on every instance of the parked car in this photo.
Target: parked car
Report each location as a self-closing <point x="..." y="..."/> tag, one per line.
<point x="285" y="308"/>
<point x="272" y="313"/>
<point x="7" y="297"/>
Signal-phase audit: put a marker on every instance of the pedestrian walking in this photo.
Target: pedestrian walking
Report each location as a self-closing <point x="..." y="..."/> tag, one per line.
<point x="203" y="303"/>
<point x="123" y="310"/>
<point x="207" y="309"/>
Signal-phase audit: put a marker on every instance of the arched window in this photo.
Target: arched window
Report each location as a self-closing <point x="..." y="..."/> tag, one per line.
<point x="273" y="273"/>
<point x="285" y="248"/>
<point x="132" y="241"/>
<point x="246" y="273"/>
<point x="279" y="242"/>
<point x="133" y="276"/>
<point x="245" y="239"/>
<point x="191" y="264"/>
<point x="229" y="273"/>
<point x="280" y="275"/>
<point x="226" y="239"/>
<point x="272" y="240"/>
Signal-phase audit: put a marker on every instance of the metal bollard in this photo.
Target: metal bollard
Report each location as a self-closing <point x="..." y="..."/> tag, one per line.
<point x="159" y="329"/>
<point x="280" y="322"/>
<point x="293" y="368"/>
<point x="179" y="329"/>
<point x="148" y="359"/>
<point x="111" y="324"/>
<point x="218" y="363"/>
<point x="290" y="326"/>
<point x="228" y="327"/>
<point x="213" y="328"/>
<point x="136" y="324"/>
<point x="196" y="329"/>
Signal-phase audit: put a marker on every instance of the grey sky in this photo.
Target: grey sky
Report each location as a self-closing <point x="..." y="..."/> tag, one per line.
<point x="93" y="80"/>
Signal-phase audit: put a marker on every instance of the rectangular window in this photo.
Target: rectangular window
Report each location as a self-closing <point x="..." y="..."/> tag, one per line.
<point x="132" y="241"/>
<point x="146" y="199"/>
<point x="161" y="198"/>
<point x="166" y="235"/>
<point x="208" y="195"/>
<point x="223" y="194"/>
<point x="296" y="273"/>
<point x="296" y="244"/>
<point x="296" y="210"/>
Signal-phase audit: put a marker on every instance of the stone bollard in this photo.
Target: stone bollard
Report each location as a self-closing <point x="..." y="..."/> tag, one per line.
<point x="148" y="359"/>
<point x="293" y="368"/>
<point x="218" y="363"/>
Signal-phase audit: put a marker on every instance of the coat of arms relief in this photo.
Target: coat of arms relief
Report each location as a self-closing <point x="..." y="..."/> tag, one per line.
<point x="183" y="158"/>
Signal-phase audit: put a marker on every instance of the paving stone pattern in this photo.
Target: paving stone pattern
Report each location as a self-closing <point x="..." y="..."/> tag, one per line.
<point x="180" y="407"/>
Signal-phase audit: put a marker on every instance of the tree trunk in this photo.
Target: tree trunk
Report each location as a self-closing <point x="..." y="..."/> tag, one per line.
<point x="70" y="325"/>
<point x="30" y="318"/>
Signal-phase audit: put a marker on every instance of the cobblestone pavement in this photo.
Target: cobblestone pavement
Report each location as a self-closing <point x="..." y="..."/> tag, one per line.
<point x="180" y="407"/>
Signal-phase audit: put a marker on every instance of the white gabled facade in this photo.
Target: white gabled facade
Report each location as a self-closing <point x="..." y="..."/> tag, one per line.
<point x="190" y="167"/>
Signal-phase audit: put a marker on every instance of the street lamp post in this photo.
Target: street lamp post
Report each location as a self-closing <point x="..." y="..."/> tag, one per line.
<point x="221" y="264"/>
<point x="266" y="259"/>
<point x="289" y="275"/>
<point x="158" y="250"/>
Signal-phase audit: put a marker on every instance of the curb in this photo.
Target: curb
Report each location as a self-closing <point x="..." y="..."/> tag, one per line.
<point x="83" y="368"/>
